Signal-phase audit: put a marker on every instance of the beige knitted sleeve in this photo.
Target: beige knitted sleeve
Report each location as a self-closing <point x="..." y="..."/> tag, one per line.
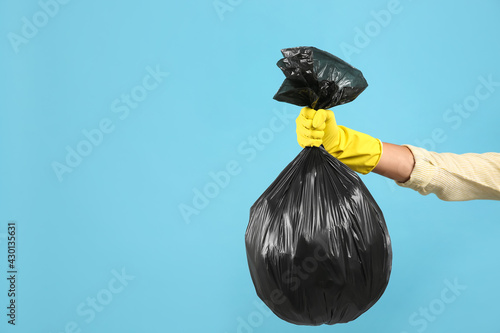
<point x="454" y="177"/>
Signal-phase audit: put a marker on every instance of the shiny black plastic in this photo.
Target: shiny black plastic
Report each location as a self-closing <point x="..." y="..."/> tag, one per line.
<point x="317" y="79"/>
<point x="317" y="244"/>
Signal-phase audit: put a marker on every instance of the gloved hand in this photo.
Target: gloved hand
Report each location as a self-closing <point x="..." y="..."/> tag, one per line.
<point x="357" y="150"/>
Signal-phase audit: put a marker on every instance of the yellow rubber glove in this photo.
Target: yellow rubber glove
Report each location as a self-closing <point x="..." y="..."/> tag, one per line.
<point x="357" y="150"/>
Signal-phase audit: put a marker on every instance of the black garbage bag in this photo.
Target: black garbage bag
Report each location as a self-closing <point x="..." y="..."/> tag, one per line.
<point x="317" y="244"/>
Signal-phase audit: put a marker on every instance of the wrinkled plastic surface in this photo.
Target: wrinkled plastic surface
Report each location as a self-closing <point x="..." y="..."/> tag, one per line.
<point x="317" y="244"/>
<point x="317" y="79"/>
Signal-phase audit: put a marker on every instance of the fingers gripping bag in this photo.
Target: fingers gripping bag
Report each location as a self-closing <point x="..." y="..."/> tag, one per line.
<point x="317" y="245"/>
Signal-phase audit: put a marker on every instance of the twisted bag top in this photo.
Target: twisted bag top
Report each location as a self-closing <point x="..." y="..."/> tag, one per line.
<point x="317" y="79"/>
<point x="317" y="245"/>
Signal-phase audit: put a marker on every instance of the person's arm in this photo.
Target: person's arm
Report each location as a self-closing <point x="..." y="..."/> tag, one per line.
<point x="395" y="163"/>
<point x="451" y="177"/>
<point x="455" y="177"/>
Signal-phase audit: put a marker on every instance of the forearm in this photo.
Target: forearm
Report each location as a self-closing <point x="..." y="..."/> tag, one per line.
<point x="454" y="177"/>
<point x="396" y="162"/>
<point x="451" y="177"/>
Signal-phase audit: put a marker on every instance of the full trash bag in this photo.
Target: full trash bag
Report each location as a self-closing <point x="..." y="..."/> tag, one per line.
<point x="317" y="245"/>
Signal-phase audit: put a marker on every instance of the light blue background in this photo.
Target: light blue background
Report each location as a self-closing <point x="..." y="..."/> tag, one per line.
<point x="119" y="209"/>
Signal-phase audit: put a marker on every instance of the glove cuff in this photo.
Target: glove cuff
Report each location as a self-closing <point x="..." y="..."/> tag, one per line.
<point x="360" y="152"/>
